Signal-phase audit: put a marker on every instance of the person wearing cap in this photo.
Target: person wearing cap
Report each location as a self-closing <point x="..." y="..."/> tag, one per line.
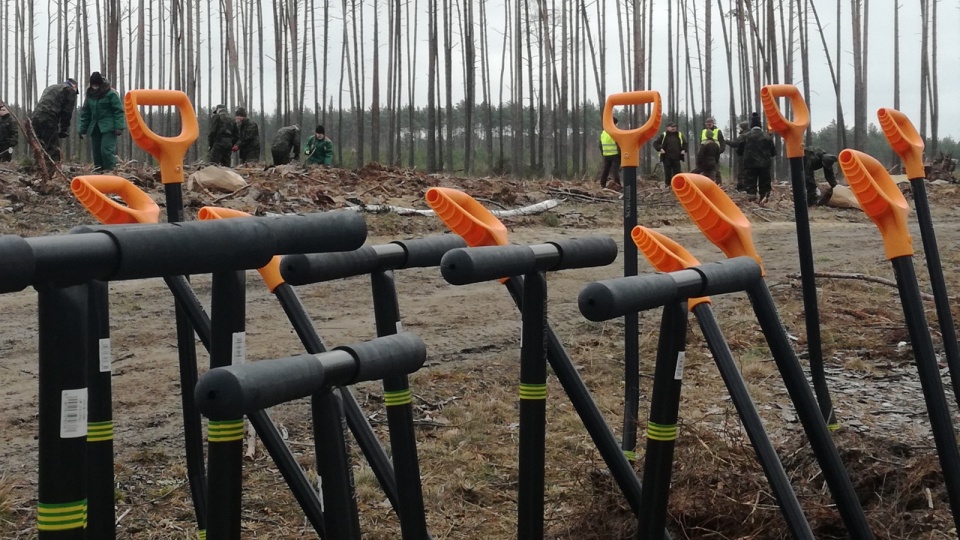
<point x="222" y="136"/>
<point x="319" y="148"/>
<point x="815" y="159"/>
<point x="247" y="142"/>
<point x="758" y="149"/>
<point x="708" y="159"/>
<point x="710" y="128"/>
<point x="673" y="151"/>
<point x="286" y="145"/>
<point x="52" y="116"/>
<point x="611" y="159"/>
<point x="101" y="117"/>
<point x="738" y="155"/>
<point x="9" y="135"/>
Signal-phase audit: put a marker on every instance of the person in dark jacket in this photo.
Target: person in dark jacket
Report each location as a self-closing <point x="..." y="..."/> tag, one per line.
<point x="815" y="159"/>
<point x="101" y="117"/>
<point x="248" y="137"/>
<point x="757" y="149"/>
<point x="52" y="116"/>
<point x="286" y="145"/>
<point x="708" y="159"/>
<point x="673" y="151"/>
<point x="738" y="156"/>
<point x="223" y="133"/>
<point x="9" y="134"/>
<point x="319" y="148"/>
<point x="710" y="128"/>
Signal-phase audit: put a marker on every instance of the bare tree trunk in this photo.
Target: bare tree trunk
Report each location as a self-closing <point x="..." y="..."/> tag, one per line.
<point x="431" y="88"/>
<point x="934" y="87"/>
<point x="485" y="83"/>
<point x="358" y="81"/>
<point x="469" y="76"/>
<point x="516" y="129"/>
<point x="564" y="93"/>
<point x="412" y="65"/>
<point x="448" y="82"/>
<point x="842" y="132"/>
<point x="859" y="84"/>
<point x="375" y="102"/>
<point x="671" y="88"/>
<point x="532" y="118"/>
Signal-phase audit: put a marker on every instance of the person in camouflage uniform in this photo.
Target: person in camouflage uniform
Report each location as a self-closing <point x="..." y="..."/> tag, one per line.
<point x="738" y="158"/>
<point x="101" y="117"/>
<point x="247" y="142"/>
<point x="223" y="133"/>
<point x="53" y="114"/>
<point x="9" y="135"/>
<point x="814" y="159"/>
<point x="286" y="145"/>
<point x="319" y="149"/>
<point x="757" y="148"/>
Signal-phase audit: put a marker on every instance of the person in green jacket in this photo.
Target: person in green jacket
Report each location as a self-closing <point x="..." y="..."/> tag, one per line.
<point x="9" y="136"/>
<point x="319" y="149"/>
<point x="101" y="117"/>
<point x="247" y="142"/>
<point x="222" y="137"/>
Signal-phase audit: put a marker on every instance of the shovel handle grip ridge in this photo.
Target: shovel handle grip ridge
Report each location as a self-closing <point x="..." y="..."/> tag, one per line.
<point x="92" y="192"/>
<point x="665" y="255"/>
<point x="270" y="272"/>
<point x="904" y="139"/>
<point x="881" y="200"/>
<point x="465" y="216"/>
<point x="716" y="215"/>
<point x="630" y="140"/>
<point x="791" y="131"/>
<point x="169" y="151"/>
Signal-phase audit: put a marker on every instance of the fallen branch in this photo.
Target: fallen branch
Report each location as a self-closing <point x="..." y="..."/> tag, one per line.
<point x="859" y="277"/>
<point x="231" y="194"/>
<point x="581" y="196"/>
<point x="532" y="209"/>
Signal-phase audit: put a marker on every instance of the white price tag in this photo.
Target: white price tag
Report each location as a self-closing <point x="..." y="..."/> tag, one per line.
<point x="106" y="356"/>
<point x="73" y="413"/>
<point x="238" y="349"/>
<point x="678" y="372"/>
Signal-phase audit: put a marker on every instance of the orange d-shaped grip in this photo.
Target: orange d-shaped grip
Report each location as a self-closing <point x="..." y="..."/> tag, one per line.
<point x="792" y="132"/>
<point x="904" y="139"/>
<point x="169" y="151"/>
<point x="881" y="200"/>
<point x="466" y="217"/>
<point x="665" y="255"/>
<point x="270" y="272"/>
<point x="630" y="140"/>
<point x="717" y="217"/>
<point x="92" y="192"/>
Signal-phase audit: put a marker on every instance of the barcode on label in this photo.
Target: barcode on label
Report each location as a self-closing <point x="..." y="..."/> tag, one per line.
<point x="678" y="372"/>
<point x="73" y="413"/>
<point x="106" y="356"/>
<point x="238" y="351"/>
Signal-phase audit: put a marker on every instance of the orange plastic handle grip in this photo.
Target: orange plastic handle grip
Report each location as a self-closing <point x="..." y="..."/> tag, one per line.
<point x="881" y="200"/>
<point x="717" y="217"/>
<point x="665" y="255"/>
<point x="270" y="272"/>
<point x="169" y="151"/>
<point x="466" y="217"/>
<point x="630" y="140"/>
<point x="792" y="132"/>
<point x="904" y="139"/>
<point x="92" y="192"/>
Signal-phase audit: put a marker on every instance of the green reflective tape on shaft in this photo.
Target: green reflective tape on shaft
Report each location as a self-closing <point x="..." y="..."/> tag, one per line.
<point x="397" y="397"/>
<point x="225" y="431"/>
<point x="630" y="455"/>
<point x="62" y="516"/>
<point x="661" y="432"/>
<point x="202" y="534"/>
<point x="100" y="431"/>
<point x="833" y="427"/>
<point x="533" y="391"/>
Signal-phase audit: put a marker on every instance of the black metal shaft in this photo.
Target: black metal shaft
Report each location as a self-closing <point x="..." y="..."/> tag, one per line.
<point x="811" y="311"/>
<point x="101" y="513"/>
<point x="795" y="381"/>
<point x="929" y="373"/>
<point x="940" y="297"/>
<point x="631" y="321"/>
<point x="752" y="424"/>
<point x="340" y="508"/>
<point x="533" y="410"/>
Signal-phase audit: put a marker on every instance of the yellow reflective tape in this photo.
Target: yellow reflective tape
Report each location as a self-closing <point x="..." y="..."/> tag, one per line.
<point x="225" y="431"/>
<point x="630" y="455"/>
<point x="533" y="391"/>
<point x="100" y="431"/>
<point x="202" y="534"/>
<point x="62" y="516"/>
<point x="397" y="397"/>
<point x="833" y="427"/>
<point x="660" y="432"/>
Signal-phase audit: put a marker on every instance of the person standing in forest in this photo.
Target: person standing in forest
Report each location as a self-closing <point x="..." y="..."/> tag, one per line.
<point x="758" y="150"/>
<point x="708" y="159"/>
<point x="101" y="117"/>
<point x="673" y="151"/>
<point x="286" y="145"/>
<point x="223" y="133"/>
<point x="710" y="128"/>
<point x="611" y="159"/>
<point x="319" y="148"/>
<point x="52" y="116"/>
<point x="738" y="155"/>
<point x="9" y="135"/>
<point x="247" y="142"/>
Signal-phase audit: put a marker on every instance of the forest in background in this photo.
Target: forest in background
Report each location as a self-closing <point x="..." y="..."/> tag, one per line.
<point x="274" y="57"/>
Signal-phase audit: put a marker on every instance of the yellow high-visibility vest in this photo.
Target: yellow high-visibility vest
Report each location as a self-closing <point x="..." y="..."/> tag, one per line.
<point x="607" y="145"/>
<point x="703" y="134"/>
